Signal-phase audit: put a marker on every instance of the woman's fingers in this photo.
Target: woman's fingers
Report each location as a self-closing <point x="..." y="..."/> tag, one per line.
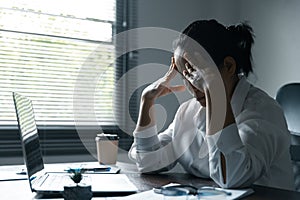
<point x="192" y="61"/>
<point x="188" y="76"/>
<point x="189" y="68"/>
<point x="193" y="76"/>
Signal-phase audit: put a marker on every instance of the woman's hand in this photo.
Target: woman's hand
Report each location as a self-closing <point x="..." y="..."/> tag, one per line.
<point x="205" y="77"/>
<point x="157" y="89"/>
<point x="200" y="72"/>
<point x="162" y="87"/>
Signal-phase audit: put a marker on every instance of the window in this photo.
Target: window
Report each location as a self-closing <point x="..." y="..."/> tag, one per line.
<point x="44" y="46"/>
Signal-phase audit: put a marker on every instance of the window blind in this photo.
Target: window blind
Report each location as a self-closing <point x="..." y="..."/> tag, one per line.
<point x="43" y="46"/>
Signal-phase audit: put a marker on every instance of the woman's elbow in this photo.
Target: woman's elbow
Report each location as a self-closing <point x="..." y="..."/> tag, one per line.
<point x="231" y="183"/>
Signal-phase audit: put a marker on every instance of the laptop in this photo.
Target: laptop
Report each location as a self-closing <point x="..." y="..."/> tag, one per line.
<point x="44" y="182"/>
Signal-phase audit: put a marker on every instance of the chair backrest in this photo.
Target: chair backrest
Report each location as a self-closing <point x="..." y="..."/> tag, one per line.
<point x="288" y="96"/>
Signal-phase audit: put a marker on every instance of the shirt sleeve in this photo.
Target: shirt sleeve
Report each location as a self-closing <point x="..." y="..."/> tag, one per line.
<point x="228" y="142"/>
<point x="151" y="152"/>
<point x="248" y="150"/>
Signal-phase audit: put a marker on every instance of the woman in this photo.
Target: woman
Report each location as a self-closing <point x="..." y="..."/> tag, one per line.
<point x="230" y="131"/>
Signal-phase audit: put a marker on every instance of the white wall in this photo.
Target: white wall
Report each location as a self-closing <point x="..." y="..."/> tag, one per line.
<point x="275" y="22"/>
<point x="178" y="14"/>
<point x="277" y="50"/>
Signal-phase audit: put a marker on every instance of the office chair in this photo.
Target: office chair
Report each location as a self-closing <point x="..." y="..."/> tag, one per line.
<point x="288" y="96"/>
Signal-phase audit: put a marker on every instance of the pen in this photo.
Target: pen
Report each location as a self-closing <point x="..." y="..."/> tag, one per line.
<point x="96" y="169"/>
<point x="22" y="172"/>
<point x="101" y="169"/>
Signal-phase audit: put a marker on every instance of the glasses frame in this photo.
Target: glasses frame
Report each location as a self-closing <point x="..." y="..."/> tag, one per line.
<point x="185" y="190"/>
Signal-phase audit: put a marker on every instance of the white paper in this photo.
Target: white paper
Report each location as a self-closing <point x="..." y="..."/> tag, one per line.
<point x="151" y="195"/>
<point x="9" y="175"/>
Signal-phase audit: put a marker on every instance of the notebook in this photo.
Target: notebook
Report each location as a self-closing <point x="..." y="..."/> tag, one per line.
<point x="45" y="182"/>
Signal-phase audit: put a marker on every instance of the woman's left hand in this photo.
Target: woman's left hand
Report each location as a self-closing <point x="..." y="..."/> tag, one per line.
<point x="199" y="71"/>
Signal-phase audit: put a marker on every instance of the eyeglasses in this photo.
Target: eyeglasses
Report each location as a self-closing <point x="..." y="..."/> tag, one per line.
<point x="202" y="193"/>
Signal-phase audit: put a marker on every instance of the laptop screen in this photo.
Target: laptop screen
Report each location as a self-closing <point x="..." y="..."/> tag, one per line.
<point x="29" y="134"/>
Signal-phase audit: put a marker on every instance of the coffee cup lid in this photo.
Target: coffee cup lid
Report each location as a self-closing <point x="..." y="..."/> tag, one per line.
<point x="105" y="136"/>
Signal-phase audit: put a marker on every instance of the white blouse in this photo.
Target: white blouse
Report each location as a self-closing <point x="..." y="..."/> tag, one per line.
<point x="256" y="147"/>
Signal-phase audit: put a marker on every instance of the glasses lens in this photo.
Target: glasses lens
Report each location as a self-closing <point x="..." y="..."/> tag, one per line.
<point x="174" y="191"/>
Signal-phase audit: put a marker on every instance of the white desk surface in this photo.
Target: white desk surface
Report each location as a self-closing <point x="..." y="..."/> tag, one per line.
<point x="20" y="189"/>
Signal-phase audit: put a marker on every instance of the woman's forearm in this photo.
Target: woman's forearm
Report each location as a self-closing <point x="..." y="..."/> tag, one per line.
<point x="213" y="127"/>
<point x="146" y="114"/>
<point x="211" y="130"/>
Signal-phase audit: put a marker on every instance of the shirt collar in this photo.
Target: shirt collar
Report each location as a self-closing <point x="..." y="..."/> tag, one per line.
<point x="239" y="95"/>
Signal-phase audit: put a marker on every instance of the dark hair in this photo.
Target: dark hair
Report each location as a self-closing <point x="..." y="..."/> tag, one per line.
<point x="220" y="41"/>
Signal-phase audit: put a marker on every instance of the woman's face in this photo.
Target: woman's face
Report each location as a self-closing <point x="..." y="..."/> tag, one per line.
<point x="180" y="64"/>
<point x="225" y="72"/>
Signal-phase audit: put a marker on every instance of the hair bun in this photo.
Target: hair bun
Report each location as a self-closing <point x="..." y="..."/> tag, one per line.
<point x="243" y="38"/>
<point x="242" y="34"/>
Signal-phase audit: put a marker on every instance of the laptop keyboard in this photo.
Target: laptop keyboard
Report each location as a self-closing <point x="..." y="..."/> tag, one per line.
<point x="39" y="180"/>
<point x="56" y="180"/>
<point x="51" y="181"/>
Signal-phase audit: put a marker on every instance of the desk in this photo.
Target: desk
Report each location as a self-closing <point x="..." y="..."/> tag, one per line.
<point x="20" y="189"/>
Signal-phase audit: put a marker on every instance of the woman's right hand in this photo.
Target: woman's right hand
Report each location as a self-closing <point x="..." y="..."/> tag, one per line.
<point x="162" y="87"/>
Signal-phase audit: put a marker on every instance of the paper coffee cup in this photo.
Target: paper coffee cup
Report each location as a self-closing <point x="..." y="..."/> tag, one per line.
<point x="107" y="148"/>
